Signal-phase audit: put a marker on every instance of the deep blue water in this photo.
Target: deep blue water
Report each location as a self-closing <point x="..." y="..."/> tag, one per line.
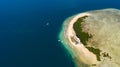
<point x="26" y="40"/>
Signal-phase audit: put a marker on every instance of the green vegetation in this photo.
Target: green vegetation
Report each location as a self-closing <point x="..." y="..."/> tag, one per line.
<point x="106" y="55"/>
<point x="95" y="51"/>
<point x="83" y="36"/>
<point x="93" y="64"/>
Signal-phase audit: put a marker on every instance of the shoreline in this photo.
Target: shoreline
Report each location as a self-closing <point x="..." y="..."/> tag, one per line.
<point x="99" y="23"/>
<point x="78" y="52"/>
<point x="66" y="44"/>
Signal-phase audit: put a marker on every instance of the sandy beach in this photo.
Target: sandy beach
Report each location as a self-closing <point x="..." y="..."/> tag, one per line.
<point x="99" y="24"/>
<point x="83" y="53"/>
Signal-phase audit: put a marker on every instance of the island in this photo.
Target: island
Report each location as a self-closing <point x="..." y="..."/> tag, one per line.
<point x="92" y="38"/>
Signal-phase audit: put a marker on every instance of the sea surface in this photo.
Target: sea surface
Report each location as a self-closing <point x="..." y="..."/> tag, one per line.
<point x="29" y="30"/>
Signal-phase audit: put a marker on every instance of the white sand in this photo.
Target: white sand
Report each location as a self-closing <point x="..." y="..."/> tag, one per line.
<point x="105" y="24"/>
<point x="83" y="53"/>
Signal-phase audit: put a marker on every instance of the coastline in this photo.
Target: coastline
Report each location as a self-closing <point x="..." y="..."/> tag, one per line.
<point x="79" y="53"/>
<point x="103" y="50"/>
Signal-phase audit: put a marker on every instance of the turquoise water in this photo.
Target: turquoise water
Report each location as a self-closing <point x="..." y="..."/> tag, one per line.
<point x="29" y="30"/>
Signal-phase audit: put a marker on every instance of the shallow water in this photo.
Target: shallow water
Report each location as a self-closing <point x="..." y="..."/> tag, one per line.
<point x="26" y="40"/>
